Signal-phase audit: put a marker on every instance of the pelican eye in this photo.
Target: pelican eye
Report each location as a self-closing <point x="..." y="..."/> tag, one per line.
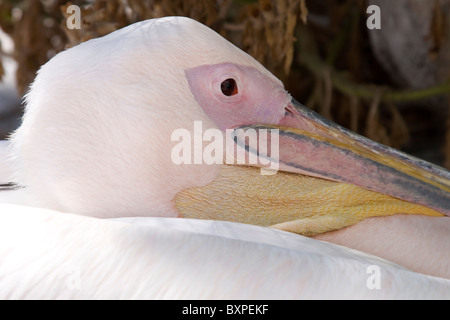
<point x="229" y="87"/>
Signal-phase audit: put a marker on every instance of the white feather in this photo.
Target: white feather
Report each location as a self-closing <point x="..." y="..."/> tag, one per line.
<point x="48" y="255"/>
<point x="6" y="170"/>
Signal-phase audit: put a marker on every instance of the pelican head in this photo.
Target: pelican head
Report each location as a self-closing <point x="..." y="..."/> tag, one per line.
<point x="97" y="139"/>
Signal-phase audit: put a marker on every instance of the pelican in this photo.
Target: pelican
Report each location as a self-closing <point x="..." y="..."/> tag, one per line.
<point x="92" y="196"/>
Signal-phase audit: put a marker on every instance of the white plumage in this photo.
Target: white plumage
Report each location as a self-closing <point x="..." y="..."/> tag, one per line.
<point x="47" y="254"/>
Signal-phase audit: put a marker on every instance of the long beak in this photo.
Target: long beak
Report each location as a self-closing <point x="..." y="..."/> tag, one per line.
<point x="341" y="179"/>
<point x="312" y="145"/>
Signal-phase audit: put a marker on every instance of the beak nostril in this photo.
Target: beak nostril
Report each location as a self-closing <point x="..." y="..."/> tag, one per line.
<point x="288" y="111"/>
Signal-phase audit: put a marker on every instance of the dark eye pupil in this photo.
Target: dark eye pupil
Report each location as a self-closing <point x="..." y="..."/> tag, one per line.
<point x="229" y="87"/>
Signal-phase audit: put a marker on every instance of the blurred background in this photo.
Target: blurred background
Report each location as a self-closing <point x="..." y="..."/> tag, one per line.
<point x="390" y="84"/>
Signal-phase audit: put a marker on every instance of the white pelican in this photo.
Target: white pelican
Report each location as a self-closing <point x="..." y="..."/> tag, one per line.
<point x="96" y="142"/>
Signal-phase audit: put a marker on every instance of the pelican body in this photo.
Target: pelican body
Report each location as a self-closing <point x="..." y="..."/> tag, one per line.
<point x="96" y="144"/>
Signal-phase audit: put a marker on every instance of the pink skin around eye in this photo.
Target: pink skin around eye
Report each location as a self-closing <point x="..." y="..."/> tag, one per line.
<point x="260" y="99"/>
